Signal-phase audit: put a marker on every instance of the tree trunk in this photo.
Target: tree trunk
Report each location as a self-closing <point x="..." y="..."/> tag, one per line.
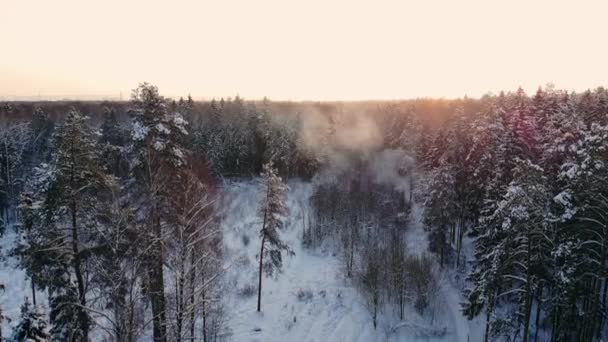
<point x="260" y="273"/>
<point x="157" y="286"/>
<point x="351" y="253"/>
<point x="192" y="290"/>
<point x="157" y="298"/>
<point x="487" y="332"/>
<point x="603" y="306"/>
<point x="489" y="309"/>
<point x="204" y="308"/>
<point x="262" y="258"/>
<point x="130" y="326"/>
<point x="375" y="316"/>
<point x="598" y="303"/>
<point x="204" y="302"/>
<point x="180" y="301"/>
<point x="401" y="301"/>
<point x="538" y="301"/>
<point x="77" y="264"/>
<point x="528" y="299"/>
<point x="33" y="290"/>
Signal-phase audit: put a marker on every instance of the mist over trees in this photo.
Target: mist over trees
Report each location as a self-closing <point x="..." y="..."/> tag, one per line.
<point x="114" y="208"/>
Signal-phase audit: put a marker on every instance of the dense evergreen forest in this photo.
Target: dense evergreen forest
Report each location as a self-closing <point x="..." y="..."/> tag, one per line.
<point x="115" y="209"/>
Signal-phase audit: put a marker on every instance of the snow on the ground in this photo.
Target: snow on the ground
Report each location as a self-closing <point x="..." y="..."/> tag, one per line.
<point x="17" y="285"/>
<point x="459" y="327"/>
<point x="333" y="309"/>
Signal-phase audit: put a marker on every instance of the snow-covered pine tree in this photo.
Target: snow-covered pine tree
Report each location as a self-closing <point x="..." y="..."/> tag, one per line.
<point x="112" y="142"/>
<point x="524" y="125"/>
<point x="440" y="208"/>
<point x="158" y="157"/>
<point x="118" y="268"/>
<point x="32" y="326"/>
<point x="272" y="211"/>
<point x="580" y="247"/>
<point x="39" y="148"/>
<point x="14" y="140"/>
<point x="512" y="252"/>
<point x="55" y="219"/>
<point x="451" y="204"/>
<point x="68" y="192"/>
<point x="69" y="321"/>
<point x="30" y="241"/>
<point x="208" y="139"/>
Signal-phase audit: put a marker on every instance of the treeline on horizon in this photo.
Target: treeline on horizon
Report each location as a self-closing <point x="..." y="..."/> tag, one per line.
<point x="240" y="124"/>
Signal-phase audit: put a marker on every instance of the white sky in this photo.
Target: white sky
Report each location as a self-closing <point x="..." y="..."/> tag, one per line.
<point x="309" y="49"/>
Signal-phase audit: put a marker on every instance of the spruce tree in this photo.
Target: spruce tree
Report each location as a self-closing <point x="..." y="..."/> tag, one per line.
<point x="272" y="211"/>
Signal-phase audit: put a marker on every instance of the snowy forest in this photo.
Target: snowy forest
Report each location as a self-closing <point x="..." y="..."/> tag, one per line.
<point x="162" y="219"/>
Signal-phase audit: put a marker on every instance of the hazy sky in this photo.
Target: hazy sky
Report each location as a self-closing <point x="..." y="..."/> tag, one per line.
<point x="309" y="49"/>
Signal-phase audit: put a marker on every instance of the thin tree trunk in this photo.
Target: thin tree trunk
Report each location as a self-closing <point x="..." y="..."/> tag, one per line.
<point x="130" y="327"/>
<point x="157" y="286"/>
<point x="192" y="290"/>
<point x="180" y="300"/>
<point x="489" y="309"/>
<point x="260" y="273"/>
<point x="33" y="290"/>
<point x="77" y="264"/>
<point x="528" y="299"/>
<point x="598" y="304"/>
<point x="459" y="242"/>
<point x="375" y="316"/>
<point x="204" y="306"/>
<point x="487" y="332"/>
<point x="158" y="300"/>
<point x="538" y="301"/>
<point x="603" y="307"/>
<point x="351" y="254"/>
<point x="262" y="258"/>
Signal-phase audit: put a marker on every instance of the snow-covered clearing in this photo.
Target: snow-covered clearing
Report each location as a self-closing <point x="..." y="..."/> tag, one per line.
<point x="311" y="300"/>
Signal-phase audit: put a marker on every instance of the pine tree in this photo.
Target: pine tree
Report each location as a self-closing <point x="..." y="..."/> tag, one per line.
<point x="112" y="142"/>
<point x="14" y="140"/>
<point x="272" y="211"/>
<point x="39" y="148"/>
<point x="580" y="247"/>
<point x="440" y="209"/>
<point x="32" y="326"/>
<point x="58" y="235"/>
<point x="30" y="242"/>
<point x="69" y="321"/>
<point x="158" y="157"/>
<point x="118" y="267"/>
